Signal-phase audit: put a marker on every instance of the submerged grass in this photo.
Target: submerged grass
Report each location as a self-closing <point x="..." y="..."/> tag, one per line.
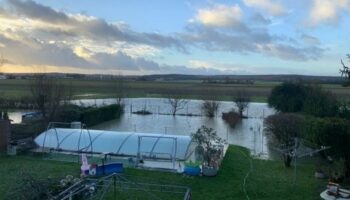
<point x="267" y="179"/>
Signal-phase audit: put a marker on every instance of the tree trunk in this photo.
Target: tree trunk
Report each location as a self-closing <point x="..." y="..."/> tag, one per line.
<point x="287" y="159"/>
<point x="240" y="113"/>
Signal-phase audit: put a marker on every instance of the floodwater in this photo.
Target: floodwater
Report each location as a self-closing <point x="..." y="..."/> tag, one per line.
<point x="248" y="133"/>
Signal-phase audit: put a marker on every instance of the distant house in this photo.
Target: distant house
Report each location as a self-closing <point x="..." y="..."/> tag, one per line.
<point x="3" y="77"/>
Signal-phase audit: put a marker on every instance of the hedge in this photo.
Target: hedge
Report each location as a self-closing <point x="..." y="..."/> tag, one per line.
<point x="94" y="116"/>
<point x="330" y="131"/>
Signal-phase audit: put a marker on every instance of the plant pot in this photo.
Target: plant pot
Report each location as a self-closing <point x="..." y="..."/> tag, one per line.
<point x="209" y="171"/>
<point x="192" y="170"/>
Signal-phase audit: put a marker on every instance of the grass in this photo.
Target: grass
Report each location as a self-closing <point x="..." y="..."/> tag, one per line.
<point x="268" y="179"/>
<point x="16" y="89"/>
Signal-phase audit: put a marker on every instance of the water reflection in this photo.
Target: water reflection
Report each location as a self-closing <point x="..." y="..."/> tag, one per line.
<point x="248" y="133"/>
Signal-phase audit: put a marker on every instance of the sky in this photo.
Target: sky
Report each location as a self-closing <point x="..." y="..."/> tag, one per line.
<point x="206" y="37"/>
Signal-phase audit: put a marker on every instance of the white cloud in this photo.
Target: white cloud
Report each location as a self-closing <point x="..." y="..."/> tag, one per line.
<point x="220" y="16"/>
<point x="272" y="7"/>
<point x="327" y="11"/>
<point x="233" y="68"/>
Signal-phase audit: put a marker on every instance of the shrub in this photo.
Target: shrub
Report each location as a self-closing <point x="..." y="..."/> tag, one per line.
<point x="284" y="129"/>
<point x="93" y="116"/>
<point x="320" y="103"/>
<point x="69" y="113"/>
<point x="232" y="118"/>
<point x="333" y="132"/>
<point x="311" y="100"/>
<point x="210" y="108"/>
<point x="288" y="97"/>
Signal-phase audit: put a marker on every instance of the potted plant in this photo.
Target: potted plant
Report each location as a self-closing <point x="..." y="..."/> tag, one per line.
<point x="192" y="168"/>
<point x="211" y="146"/>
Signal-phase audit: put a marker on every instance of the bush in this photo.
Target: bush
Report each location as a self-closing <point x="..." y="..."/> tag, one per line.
<point x="284" y="128"/>
<point x="320" y="103"/>
<point x="210" y="108"/>
<point x="69" y="113"/>
<point x="288" y="97"/>
<point x="232" y="118"/>
<point x="311" y="100"/>
<point x="93" y="116"/>
<point x="333" y="132"/>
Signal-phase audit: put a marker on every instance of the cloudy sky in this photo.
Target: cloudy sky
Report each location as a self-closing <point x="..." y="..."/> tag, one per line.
<point x="189" y="37"/>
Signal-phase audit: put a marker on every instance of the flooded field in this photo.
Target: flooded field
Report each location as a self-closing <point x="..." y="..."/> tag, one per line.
<point x="248" y="133"/>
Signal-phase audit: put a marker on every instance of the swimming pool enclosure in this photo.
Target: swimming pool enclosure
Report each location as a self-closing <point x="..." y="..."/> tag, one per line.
<point x="77" y="139"/>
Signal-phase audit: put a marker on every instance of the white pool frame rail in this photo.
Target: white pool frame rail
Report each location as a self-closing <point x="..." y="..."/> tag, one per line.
<point x="53" y="125"/>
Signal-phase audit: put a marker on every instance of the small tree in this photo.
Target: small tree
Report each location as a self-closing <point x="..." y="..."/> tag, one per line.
<point x="176" y="104"/>
<point x="285" y="128"/>
<point x="345" y="71"/>
<point x="207" y="139"/>
<point x="119" y="89"/>
<point x="210" y="107"/>
<point x="48" y="94"/>
<point x="242" y="100"/>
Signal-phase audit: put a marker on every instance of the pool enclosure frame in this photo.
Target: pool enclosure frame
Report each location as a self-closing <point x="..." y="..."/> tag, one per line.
<point x="52" y="125"/>
<point x="174" y="148"/>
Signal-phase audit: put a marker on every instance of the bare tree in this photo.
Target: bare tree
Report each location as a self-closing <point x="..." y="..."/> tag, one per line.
<point x="345" y="72"/>
<point x="242" y="100"/>
<point x="119" y="89"/>
<point x="285" y="128"/>
<point x="176" y="104"/>
<point x="48" y="94"/>
<point x="210" y="106"/>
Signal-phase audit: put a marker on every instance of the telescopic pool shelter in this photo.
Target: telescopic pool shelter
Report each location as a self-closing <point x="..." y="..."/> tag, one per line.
<point x="125" y="144"/>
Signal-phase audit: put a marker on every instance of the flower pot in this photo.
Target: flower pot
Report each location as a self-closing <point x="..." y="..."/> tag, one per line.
<point x="209" y="171"/>
<point x="192" y="170"/>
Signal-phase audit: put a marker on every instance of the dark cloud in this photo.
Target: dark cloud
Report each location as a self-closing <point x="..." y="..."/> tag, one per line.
<point x="288" y="52"/>
<point x="94" y="28"/>
<point x="310" y="40"/>
<point x="34" y="52"/>
<point x="38" y="11"/>
<point x="214" y="40"/>
<point x="257" y="18"/>
<point x="251" y="40"/>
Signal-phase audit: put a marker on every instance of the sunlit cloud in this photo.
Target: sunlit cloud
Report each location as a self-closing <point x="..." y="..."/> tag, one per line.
<point x="327" y="11"/>
<point x="220" y="15"/>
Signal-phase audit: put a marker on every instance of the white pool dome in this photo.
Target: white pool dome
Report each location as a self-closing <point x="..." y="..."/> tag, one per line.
<point x="161" y="146"/>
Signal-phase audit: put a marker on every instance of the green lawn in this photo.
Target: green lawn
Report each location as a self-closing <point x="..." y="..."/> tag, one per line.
<point x="268" y="179"/>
